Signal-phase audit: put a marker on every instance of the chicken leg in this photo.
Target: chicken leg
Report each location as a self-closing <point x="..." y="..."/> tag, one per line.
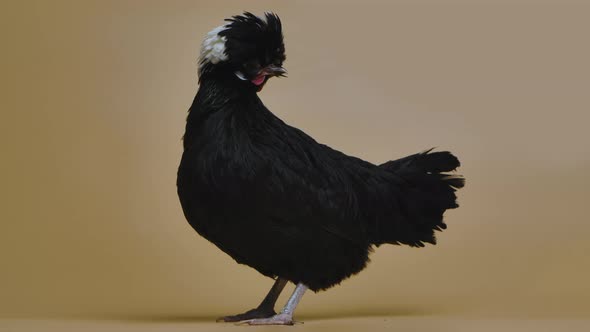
<point x="265" y="309"/>
<point x="285" y="317"/>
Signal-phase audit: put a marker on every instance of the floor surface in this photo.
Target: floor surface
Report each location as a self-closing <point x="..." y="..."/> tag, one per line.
<point x="376" y="324"/>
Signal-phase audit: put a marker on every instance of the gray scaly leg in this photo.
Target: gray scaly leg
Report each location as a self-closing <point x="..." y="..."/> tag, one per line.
<point x="285" y="317"/>
<point x="265" y="309"/>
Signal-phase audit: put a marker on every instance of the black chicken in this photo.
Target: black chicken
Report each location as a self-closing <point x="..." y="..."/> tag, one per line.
<point x="273" y="198"/>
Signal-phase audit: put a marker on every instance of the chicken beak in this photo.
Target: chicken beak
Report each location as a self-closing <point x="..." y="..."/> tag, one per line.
<point x="273" y="70"/>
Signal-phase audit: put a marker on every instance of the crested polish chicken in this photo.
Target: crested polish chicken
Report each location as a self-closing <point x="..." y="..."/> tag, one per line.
<point x="273" y="198"/>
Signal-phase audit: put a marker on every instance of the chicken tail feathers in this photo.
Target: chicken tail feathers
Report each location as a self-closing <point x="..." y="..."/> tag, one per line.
<point x="426" y="191"/>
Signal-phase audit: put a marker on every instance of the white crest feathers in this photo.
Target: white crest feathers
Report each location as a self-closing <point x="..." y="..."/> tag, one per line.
<point x="213" y="48"/>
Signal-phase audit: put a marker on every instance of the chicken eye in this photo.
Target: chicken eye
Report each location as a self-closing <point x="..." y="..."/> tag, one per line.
<point x="251" y="67"/>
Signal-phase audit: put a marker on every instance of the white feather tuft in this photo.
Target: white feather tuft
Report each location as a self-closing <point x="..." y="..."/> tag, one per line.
<point x="213" y="48"/>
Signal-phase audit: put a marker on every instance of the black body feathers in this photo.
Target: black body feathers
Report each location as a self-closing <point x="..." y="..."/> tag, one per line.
<point x="273" y="198"/>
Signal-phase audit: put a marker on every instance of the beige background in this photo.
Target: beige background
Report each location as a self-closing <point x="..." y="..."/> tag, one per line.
<point x="95" y="95"/>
